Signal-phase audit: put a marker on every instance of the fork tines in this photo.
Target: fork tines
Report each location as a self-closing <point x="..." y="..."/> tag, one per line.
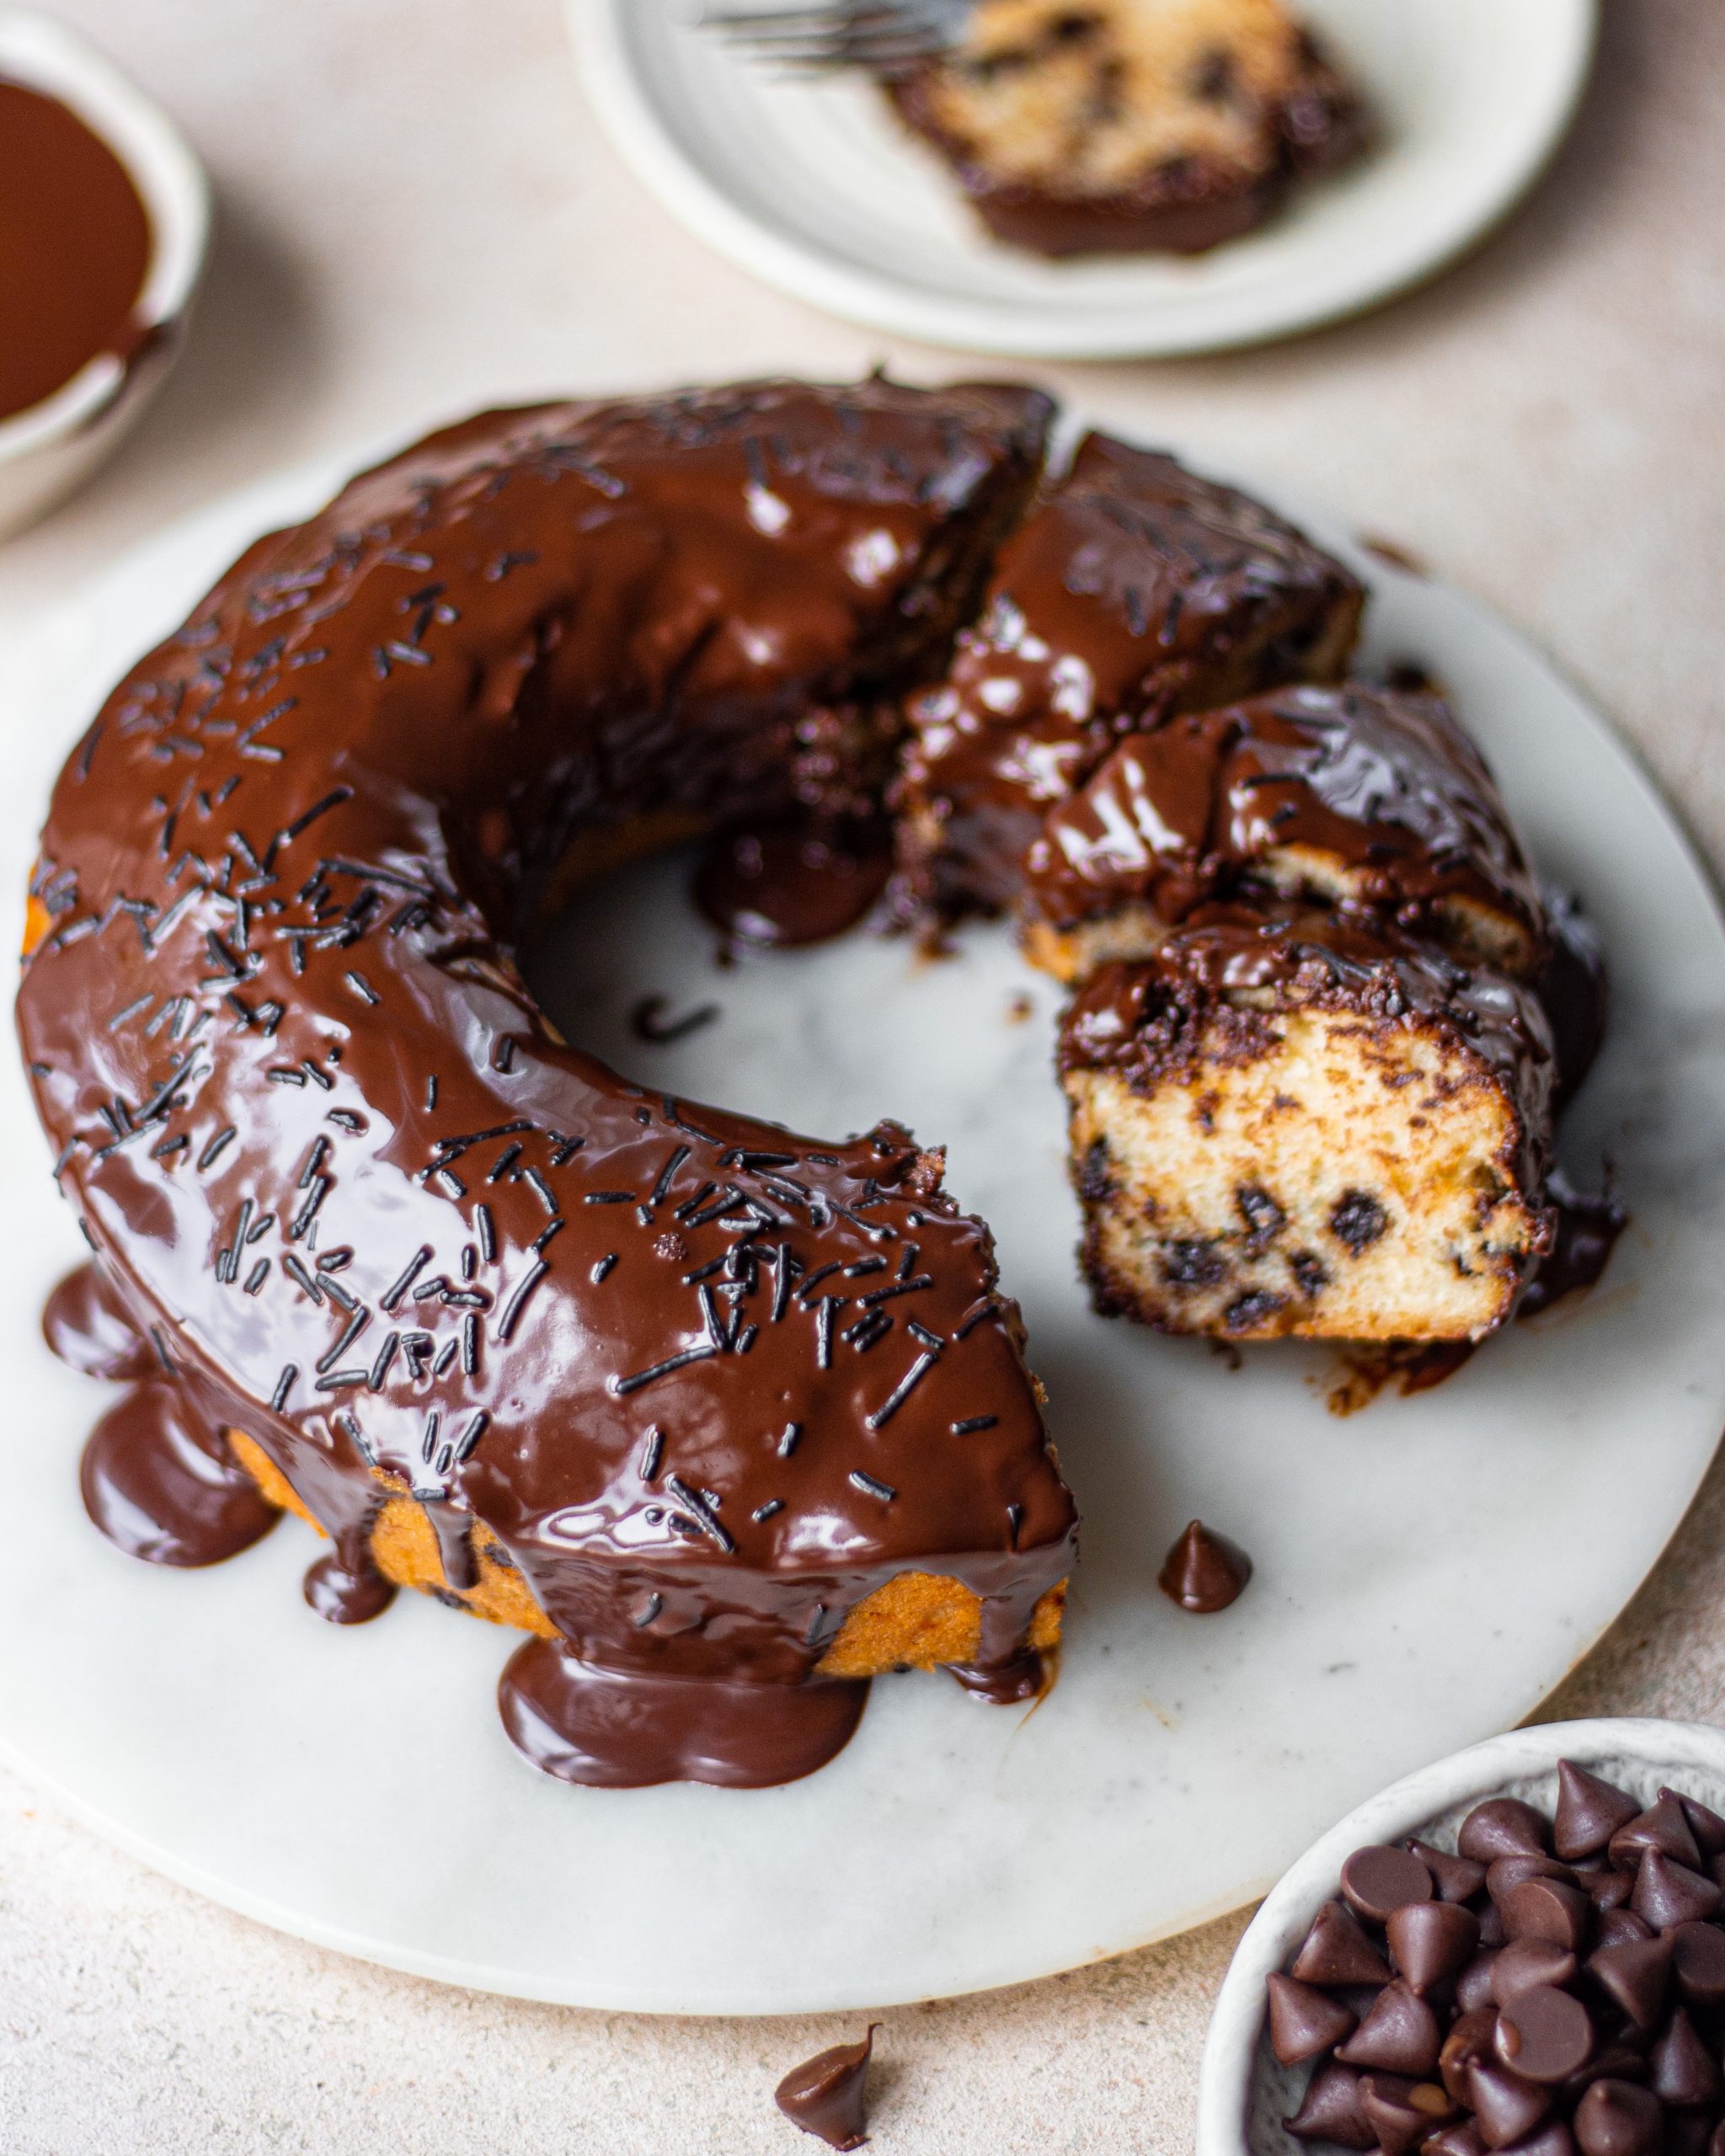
<point x="883" y="36"/>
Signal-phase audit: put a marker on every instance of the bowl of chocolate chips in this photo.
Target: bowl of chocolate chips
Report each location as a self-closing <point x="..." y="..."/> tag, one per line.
<point x="1518" y="1951"/>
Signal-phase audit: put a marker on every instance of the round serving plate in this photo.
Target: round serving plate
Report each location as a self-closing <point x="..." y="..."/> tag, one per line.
<point x="1426" y="1571"/>
<point x="815" y="187"/>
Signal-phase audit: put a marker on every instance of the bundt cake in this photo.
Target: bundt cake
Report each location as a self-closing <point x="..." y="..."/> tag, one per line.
<point x="727" y="1419"/>
<point x="1109" y="126"/>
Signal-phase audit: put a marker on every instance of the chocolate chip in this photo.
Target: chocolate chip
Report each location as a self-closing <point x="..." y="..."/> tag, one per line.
<point x="1607" y="1888"/>
<point x="1358" y="1221"/>
<point x="1505" y="1872"/>
<point x="1304" y="2021"/>
<point x="1337" y="1951"/>
<point x="1474" y="1986"/>
<point x="1192" y="1263"/>
<point x="1400" y="2113"/>
<point x="1502" y="1826"/>
<point x="1700" y="1952"/>
<point x="1461" y="2139"/>
<point x="1330" y="2110"/>
<point x="1707" y="1827"/>
<point x="1615" y="2118"/>
<point x="1553" y="2139"/>
<point x="1667" y="1893"/>
<point x="1662" y="1826"/>
<point x="1589" y="1811"/>
<point x="1617" y="1925"/>
<point x="1456" y="1878"/>
<point x="1430" y="1941"/>
<point x="1525" y="1962"/>
<point x="1378" y="1880"/>
<point x="1545" y="2034"/>
<point x="1096" y="1184"/>
<point x="1685" y="2072"/>
<point x="1468" y="2041"/>
<point x="1545" y="1908"/>
<point x="1506" y="2105"/>
<point x="1400" y="2034"/>
<point x="1635" y="1975"/>
<point x="1264" y="1218"/>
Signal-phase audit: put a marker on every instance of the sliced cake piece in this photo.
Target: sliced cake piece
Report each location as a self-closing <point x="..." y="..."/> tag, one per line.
<point x="1369" y="799"/>
<point x="1087" y="126"/>
<point x="1133" y="591"/>
<point x="1286" y="1123"/>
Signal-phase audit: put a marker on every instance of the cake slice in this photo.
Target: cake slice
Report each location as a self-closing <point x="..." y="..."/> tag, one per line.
<point x="1090" y="126"/>
<point x="1133" y="591"/>
<point x="1285" y="1121"/>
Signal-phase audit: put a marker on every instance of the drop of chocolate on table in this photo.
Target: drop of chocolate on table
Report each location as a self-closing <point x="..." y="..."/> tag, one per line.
<point x="73" y="270"/>
<point x="1403" y="2113"/>
<point x="615" y="1730"/>
<point x="87" y="1327"/>
<point x="1305" y="2021"/>
<point x="1583" y="1236"/>
<point x="343" y="1592"/>
<point x="1618" y="2118"/>
<point x="1667" y="1893"/>
<point x="1663" y="1826"/>
<point x="1590" y="1811"/>
<point x="1456" y="1878"/>
<point x="789" y="883"/>
<point x="1502" y="1826"/>
<point x="826" y="2095"/>
<point x="649" y="1020"/>
<point x="1524" y="1963"/>
<point x="1699" y="1950"/>
<point x="1431" y="1940"/>
<point x="1337" y="1951"/>
<point x="1544" y="2034"/>
<point x="1684" y="2073"/>
<point x="1411" y="1365"/>
<point x="1707" y="1826"/>
<point x="163" y="1486"/>
<point x="1203" y="1571"/>
<point x="1400" y="2034"/>
<point x="1330" y="2110"/>
<point x="1635" y="1973"/>
<point x="1506" y="2105"/>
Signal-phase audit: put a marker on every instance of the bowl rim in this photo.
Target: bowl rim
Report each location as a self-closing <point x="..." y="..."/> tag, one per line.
<point x="1231" y="2048"/>
<point x="43" y="55"/>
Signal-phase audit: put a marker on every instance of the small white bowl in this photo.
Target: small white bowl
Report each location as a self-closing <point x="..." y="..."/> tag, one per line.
<point x="46" y="450"/>
<point x="1243" y="2094"/>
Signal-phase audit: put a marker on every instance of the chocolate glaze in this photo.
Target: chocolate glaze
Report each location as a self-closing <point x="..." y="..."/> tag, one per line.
<point x="827" y="2095"/>
<point x="1204" y="1571"/>
<point x="1137" y="1018"/>
<point x="1584" y="1237"/>
<point x="162" y="1484"/>
<point x="1379" y="795"/>
<point x="87" y="1326"/>
<point x="1572" y="985"/>
<point x="584" y="1724"/>
<point x="74" y="248"/>
<point x="699" y="1376"/>
<point x="793" y="882"/>
<point x="1135" y="590"/>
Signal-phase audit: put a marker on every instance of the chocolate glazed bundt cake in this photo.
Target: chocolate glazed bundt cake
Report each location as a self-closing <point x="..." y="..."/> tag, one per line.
<point x="731" y="1420"/>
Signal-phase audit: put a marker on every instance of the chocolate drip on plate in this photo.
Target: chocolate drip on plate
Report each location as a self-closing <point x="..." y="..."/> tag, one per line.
<point x="89" y="1329"/>
<point x="163" y="1486"/>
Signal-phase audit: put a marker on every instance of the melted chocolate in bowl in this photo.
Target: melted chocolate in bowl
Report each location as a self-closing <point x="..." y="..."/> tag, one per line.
<point x="74" y="248"/>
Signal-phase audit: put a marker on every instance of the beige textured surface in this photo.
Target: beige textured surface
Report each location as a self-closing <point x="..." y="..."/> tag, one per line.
<point x="418" y="213"/>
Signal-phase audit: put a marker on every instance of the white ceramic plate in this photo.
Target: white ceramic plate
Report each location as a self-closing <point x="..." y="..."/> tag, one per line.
<point x="1426" y="1571"/>
<point x="817" y="189"/>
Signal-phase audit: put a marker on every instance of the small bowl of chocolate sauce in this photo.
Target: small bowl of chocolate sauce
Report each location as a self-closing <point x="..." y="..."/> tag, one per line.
<point x="104" y="219"/>
<point x="1520" y="1948"/>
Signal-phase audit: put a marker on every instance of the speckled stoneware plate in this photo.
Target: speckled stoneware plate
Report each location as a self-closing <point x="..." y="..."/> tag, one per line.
<point x="1427" y="1571"/>
<point x="816" y="187"/>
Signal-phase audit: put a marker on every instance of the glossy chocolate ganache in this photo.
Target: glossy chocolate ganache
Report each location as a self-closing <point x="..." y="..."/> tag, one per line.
<point x="728" y="1418"/>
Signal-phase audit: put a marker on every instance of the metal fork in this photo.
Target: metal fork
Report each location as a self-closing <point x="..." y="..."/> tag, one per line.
<point x="886" y="37"/>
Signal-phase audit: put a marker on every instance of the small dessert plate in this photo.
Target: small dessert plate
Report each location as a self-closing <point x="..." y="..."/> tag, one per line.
<point x="813" y="186"/>
<point x="49" y="448"/>
<point x="1243" y="2094"/>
